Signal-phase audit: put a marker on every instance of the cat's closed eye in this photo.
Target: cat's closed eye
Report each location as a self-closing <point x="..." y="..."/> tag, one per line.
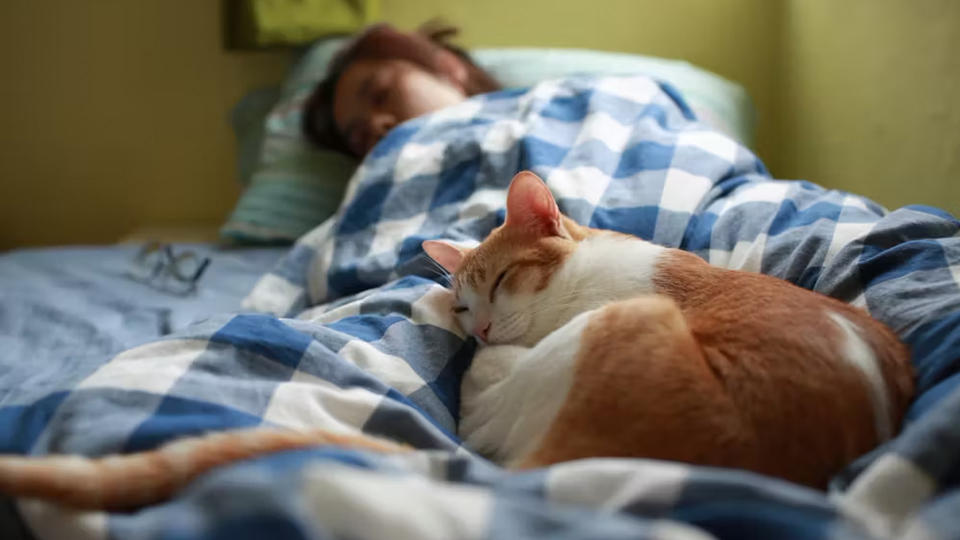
<point x="496" y="284"/>
<point x="460" y="309"/>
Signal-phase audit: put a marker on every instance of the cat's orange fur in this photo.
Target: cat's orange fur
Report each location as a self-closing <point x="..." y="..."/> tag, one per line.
<point x="122" y="482"/>
<point x="664" y="377"/>
<point x="711" y="366"/>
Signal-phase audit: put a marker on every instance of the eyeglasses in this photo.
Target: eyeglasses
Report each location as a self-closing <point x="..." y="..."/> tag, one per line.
<point x="157" y="265"/>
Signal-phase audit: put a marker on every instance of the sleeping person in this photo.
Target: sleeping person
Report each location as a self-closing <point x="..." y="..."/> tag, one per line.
<point x="384" y="77"/>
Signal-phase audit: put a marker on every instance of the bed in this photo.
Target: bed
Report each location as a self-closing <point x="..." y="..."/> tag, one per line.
<point x="349" y="329"/>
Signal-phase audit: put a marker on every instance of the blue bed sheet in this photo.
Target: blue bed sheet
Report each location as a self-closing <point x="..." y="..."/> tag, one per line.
<point x="80" y="301"/>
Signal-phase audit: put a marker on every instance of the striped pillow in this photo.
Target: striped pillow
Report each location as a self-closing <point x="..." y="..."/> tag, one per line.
<point x="288" y="198"/>
<point x="292" y="186"/>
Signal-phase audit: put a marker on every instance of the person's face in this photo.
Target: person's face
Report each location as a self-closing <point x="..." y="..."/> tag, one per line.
<point x="372" y="96"/>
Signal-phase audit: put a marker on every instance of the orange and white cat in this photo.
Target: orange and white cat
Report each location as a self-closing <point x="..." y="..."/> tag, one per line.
<point x="603" y="344"/>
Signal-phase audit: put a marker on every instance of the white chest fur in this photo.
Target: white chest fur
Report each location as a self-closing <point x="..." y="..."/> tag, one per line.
<point x="603" y="269"/>
<point x="511" y="394"/>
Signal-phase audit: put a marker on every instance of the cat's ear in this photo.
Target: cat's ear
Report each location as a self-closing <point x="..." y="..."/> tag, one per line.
<point x="446" y="254"/>
<point x="531" y="205"/>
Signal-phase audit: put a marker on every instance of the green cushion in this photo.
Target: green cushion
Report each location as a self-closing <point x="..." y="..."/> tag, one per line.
<point x="266" y="23"/>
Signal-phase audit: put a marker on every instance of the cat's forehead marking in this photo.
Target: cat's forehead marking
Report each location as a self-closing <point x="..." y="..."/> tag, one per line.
<point x="476" y="276"/>
<point x="474" y="271"/>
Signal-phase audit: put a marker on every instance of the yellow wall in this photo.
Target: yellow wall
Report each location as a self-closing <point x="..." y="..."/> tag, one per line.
<point x="114" y="116"/>
<point x="870" y="98"/>
<point x="114" y="112"/>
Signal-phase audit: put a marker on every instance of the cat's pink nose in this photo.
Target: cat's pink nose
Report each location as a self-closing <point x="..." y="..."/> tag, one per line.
<point x="482" y="331"/>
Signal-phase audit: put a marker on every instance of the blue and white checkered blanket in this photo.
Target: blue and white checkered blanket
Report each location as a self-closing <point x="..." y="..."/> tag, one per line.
<point x="368" y="345"/>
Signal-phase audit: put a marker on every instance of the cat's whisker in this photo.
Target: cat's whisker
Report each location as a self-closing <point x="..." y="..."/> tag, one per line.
<point x="439" y="268"/>
<point x="442" y="273"/>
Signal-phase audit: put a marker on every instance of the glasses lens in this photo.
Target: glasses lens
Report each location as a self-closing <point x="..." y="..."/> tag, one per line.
<point x="188" y="266"/>
<point x="149" y="261"/>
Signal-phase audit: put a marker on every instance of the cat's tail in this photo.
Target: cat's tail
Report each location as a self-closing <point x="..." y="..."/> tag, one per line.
<point x="119" y="482"/>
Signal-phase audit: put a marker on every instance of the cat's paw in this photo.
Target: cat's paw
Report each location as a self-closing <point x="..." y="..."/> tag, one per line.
<point x="481" y="393"/>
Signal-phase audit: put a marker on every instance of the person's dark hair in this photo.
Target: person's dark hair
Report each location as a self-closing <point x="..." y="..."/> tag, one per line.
<point x="318" y="124"/>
